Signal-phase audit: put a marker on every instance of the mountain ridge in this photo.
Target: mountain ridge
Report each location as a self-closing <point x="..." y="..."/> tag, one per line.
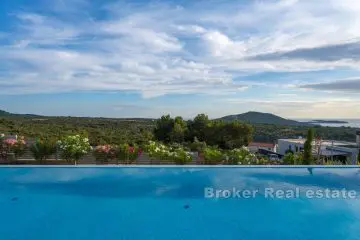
<point x="254" y="117"/>
<point x="251" y="117"/>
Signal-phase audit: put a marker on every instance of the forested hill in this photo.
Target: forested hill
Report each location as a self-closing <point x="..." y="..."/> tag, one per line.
<point x="3" y="113"/>
<point x="115" y="130"/>
<point x="263" y="118"/>
<point x="249" y="117"/>
<point x="8" y="114"/>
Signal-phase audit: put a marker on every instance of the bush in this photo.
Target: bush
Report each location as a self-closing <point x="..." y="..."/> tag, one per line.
<point x="212" y="156"/>
<point x="175" y="153"/>
<point x="16" y="146"/>
<point x="42" y="149"/>
<point x="103" y="153"/>
<point x="127" y="154"/>
<point x="74" y="147"/>
<point x="293" y="159"/>
<point x="241" y="156"/>
<point x="334" y="162"/>
<point x="3" y="147"/>
<point x="157" y="150"/>
<point x="180" y="156"/>
<point x="198" y="146"/>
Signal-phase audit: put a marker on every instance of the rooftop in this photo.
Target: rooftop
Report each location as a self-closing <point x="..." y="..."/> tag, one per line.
<point x="323" y="142"/>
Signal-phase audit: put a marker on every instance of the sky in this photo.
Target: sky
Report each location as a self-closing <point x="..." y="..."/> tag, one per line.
<point x="117" y="58"/>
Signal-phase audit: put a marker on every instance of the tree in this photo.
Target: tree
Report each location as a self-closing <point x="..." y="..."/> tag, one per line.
<point x="144" y="136"/>
<point x="42" y="149"/>
<point x="307" y="156"/>
<point x="170" y="130"/>
<point x="163" y="128"/>
<point x="358" y="158"/>
<point x="177" y="133"/>
<point x="198" y="126"/>
<point x="228" y="135"/>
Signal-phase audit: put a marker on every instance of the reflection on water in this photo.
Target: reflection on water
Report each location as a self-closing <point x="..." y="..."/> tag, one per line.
<point x="168" y="203"/>
<point x="171" y="182"/>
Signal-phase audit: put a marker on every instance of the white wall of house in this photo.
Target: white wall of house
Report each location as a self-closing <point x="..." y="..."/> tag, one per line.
<point x="285" y="144"/>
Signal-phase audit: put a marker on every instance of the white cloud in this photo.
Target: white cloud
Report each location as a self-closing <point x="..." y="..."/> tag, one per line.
<point x="160" y="48"/>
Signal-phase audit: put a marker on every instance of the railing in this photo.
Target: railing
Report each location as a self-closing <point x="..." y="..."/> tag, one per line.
<point x="27" y="158"/>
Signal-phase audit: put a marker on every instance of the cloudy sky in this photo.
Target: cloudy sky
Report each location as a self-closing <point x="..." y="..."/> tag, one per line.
<point x="117" y="58"/>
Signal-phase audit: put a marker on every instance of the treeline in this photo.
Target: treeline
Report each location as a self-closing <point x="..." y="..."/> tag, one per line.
<point x="166" y="129"/>
<point x="225" y="135"/>
<point x="99" y="130"/>
<point x="270" y="133"/>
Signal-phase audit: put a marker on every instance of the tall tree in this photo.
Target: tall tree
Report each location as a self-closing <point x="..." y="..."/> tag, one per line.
<point x="178" y="131"/>
<point x="197" y="127"/>
<point x="308" y="159"/>
<point x="228" y="135"/>
<point x="163" y="128"/>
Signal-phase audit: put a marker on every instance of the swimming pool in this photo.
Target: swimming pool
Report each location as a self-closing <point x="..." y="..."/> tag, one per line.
<point x="171" y="203"/>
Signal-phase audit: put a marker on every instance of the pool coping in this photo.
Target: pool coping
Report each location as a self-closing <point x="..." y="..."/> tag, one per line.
<point x="178" y="166"/>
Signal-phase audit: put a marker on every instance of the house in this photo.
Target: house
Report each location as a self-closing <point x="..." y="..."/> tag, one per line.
<point x="255" y="146"/>
<point x="328" y="149"/>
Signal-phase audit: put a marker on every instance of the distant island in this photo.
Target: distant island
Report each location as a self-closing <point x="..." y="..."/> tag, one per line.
<point x="328" y="121"/>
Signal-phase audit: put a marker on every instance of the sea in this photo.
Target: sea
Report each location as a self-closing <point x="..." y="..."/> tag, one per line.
<point x="355" y="123"/>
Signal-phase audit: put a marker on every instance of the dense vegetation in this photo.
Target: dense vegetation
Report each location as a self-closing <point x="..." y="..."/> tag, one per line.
<point x="216" y="141"/>
<point x="99" y="130"/>
<point x="225" y="134"/>
<point x="270" y="133"/>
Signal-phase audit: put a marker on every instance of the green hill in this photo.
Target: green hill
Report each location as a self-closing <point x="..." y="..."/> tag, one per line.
<point x="4" y="113"/>
<point x="262" y="118"/>
<point x="7" y="114"/>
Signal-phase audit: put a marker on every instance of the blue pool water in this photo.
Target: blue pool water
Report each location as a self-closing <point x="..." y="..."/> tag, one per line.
<point x="169" y="203"/>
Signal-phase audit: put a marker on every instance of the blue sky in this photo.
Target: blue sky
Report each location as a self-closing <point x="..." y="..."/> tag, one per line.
<point x="113" y="58"/>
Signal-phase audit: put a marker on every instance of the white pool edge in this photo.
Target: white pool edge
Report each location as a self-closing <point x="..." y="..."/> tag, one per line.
<point x="178" y="166"/>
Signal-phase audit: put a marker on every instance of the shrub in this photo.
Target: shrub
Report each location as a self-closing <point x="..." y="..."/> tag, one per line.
<point x="16" y="146"/>
<point x="74" y="147"/>
<point x="103" y="153"/>
<point x="197" y="145"/>
<point x="157" y="150"/>
<point x="175" y="153"/>
<point x="333" y="162"/>
<point x="3" y="147"/>
<point x="289" y="159"/>
<point x="293" y="159"/>
<point x="212" y="156"/>
<point x="42" y="149"/>
<point x="180" y="156"/>
<point x="128" y="154"/>
<point x="241" y="156"/>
